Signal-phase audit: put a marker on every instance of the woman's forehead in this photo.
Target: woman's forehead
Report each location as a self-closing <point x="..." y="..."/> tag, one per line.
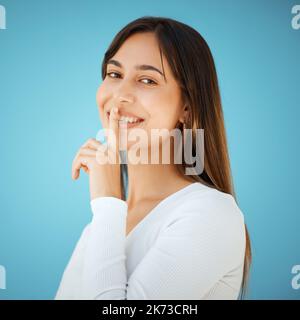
<point x="141" y="49"/>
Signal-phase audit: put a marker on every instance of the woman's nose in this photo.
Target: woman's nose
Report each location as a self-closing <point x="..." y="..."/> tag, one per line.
<point x="125" y="93"/>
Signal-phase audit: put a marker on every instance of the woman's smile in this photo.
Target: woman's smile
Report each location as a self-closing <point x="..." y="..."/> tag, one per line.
<point x="129" y="121"/>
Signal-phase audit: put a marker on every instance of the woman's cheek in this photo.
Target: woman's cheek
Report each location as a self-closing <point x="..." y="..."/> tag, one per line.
<point x="100" y="96"/>
<point x="161" y="117"/>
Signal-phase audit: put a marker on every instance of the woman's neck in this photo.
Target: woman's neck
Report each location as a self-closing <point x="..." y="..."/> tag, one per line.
<point x="153" y="182"/>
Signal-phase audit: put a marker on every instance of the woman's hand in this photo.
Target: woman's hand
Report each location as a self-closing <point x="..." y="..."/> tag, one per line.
<point x="101" y="162"/>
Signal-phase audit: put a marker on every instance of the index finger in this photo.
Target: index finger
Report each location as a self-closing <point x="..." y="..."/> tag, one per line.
<point x="113" y="134"/>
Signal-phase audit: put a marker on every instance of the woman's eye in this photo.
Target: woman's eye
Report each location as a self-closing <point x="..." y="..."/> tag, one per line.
<point x="151" y="82"/>
<point x="115" y="73"/>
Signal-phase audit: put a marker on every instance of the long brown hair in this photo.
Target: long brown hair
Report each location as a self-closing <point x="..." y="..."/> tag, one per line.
<point x="193" y="67"/>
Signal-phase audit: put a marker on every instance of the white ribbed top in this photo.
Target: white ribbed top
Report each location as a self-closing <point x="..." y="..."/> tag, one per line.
<point x="190" y="246"/>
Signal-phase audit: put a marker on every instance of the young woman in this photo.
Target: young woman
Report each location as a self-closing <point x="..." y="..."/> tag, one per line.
<point x="159" y="233"/>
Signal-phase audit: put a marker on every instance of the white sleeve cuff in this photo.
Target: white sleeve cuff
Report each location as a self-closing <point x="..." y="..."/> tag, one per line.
<point x="108" y="204"/>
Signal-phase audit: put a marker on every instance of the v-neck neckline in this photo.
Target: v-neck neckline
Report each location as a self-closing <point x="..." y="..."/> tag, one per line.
<point x="163" y="202"/>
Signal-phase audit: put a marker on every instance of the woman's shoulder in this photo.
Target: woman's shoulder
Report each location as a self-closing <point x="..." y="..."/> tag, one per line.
<point x="208" y="217"/>
<point x="210" y="203"/>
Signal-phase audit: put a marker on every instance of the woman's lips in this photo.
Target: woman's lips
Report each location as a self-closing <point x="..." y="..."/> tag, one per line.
<point x="129" y="125"/>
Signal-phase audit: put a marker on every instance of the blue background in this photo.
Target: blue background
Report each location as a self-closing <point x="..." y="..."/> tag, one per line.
<point x="50" y="59"/>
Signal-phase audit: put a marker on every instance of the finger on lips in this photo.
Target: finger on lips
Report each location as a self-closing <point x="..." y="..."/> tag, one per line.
<point x="91" y="146"/>
<point x="114" y="127"/>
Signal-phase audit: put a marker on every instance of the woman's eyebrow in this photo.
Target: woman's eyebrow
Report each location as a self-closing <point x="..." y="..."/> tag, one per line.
<point x="137" y="67"/>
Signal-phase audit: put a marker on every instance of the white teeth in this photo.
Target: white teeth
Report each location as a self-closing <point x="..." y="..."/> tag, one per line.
<point x="129" y="119"/>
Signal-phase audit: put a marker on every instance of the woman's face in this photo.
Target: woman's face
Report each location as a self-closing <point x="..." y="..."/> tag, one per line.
<point x="139" y="90"/>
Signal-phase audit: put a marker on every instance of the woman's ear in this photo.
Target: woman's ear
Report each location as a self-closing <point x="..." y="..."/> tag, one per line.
<point x="184" y="114"/>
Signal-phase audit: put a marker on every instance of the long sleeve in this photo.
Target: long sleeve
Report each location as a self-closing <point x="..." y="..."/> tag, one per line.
<point x="98" y="260"/>
<point x="104" y="271"/>
<point x="191" y="254"/>
<point x="70" y="285"/>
